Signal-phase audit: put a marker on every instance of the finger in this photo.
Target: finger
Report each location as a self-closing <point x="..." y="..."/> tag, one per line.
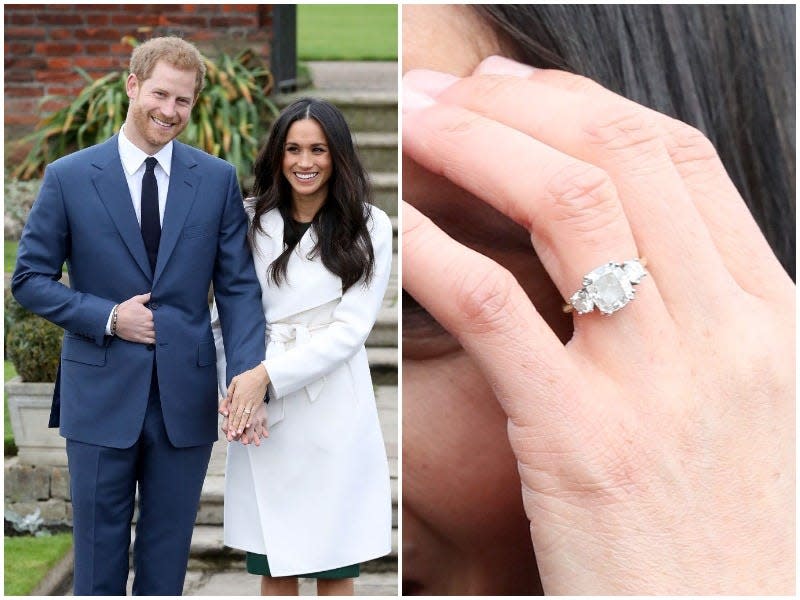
<point x="483" y="306"/>
<point x="570" y="207"/>
<point x="142" y="298"/>
<point x="626" y="142"/>
<point x="731" y="225"/>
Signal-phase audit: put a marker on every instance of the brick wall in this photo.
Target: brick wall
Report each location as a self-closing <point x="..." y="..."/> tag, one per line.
<point x="44" y="42"/>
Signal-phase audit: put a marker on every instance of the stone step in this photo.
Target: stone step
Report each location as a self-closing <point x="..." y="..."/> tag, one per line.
<point x="367" y="110"/>
<point x="378" y="151"/>
<point x="384" y="191"/>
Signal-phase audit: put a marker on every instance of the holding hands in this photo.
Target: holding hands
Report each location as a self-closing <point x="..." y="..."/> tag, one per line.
<point x="656" y="448"/>
<point x="244" y="409"/>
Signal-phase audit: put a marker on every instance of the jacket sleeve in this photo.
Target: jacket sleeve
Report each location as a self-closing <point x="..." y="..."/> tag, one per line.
<point x="43" y="248"/>
<point x="237" y="292"/>
<point x="353" y="319"/>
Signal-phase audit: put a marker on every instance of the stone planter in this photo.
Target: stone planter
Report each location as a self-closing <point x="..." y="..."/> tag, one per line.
<point x="29" y="411"/>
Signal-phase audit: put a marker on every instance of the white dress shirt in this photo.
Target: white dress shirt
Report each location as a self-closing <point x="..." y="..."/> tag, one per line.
<point x="133" y="166"/>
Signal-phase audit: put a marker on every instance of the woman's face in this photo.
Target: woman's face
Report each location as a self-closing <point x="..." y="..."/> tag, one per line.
<point x="307" y="163"/>
<point x="464" y="528"/>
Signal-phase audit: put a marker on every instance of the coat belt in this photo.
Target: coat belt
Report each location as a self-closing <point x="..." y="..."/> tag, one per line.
<point x="283" y="333"/>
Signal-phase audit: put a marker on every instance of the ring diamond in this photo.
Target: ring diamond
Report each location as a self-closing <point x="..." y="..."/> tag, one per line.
<point x="608" y="288"/>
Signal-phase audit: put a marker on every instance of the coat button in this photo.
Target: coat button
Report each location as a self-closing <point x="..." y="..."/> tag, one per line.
<point x="153" y="305"/>
<point x="151" y="347"/>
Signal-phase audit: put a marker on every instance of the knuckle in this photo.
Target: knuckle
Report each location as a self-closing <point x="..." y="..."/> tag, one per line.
<point x="690" y="149"/>
<point x="584" y="197"/>
<point x="622" y="126"/>
<point x="484" y="298"/>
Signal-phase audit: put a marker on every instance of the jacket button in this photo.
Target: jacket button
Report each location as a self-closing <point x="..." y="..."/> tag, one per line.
<point x="151" y="347"/>
<point x="153" y="305"/>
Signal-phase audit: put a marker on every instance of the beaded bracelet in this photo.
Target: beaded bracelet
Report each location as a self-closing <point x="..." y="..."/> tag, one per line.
<point x="114" y="319"/>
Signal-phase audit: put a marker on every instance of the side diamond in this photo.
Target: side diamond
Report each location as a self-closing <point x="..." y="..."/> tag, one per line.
<point x="634" y="270"/>
<point x="581" y="302"/>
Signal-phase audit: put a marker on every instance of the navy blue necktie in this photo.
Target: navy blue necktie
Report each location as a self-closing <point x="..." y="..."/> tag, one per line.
<point x="151" y="224"/>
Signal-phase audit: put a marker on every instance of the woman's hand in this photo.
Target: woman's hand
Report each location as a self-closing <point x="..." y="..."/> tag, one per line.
<point x="258" y="430"/>
<point x="245" y="394"/>
<point x="656" y="449"/>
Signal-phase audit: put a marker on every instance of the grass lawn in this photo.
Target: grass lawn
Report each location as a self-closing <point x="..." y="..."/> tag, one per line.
<point x="347" y="31"/>
<point x="27" y="559"/>
<point x="10" y="447"/>
<point x="10" y="252"/>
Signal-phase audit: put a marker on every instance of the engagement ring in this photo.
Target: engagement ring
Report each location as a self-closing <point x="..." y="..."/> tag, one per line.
<point x="608" y="288"/>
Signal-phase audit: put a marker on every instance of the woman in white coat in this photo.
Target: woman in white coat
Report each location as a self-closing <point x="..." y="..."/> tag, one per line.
<point x="313" y="498"/>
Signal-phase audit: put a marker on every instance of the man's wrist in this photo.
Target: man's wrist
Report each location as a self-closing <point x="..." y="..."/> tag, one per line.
<point x="112" y="328"/>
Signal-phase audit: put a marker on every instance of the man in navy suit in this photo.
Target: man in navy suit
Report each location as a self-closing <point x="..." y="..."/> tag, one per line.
<point x="145" y="225"/>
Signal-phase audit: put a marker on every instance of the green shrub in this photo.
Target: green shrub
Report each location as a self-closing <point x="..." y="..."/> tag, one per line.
<point x="34" y="346"/>
<point x="12" y="313"/>
<point x="18" y="198"/>
<point x="229" y="120"/>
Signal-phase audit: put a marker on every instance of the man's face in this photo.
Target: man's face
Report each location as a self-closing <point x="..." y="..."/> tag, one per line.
<point x="160" y="106"/>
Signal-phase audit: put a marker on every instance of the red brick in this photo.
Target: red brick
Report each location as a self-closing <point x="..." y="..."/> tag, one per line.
<point x="60" y="63"/>
<point x="18" y="48"/>
<point x="24" y="62"/>
<point x="58" y="77"/>
<point x="134" y="19"/>
<point x="23" y="118"/>
<point x="14" y="18"/>
<point x="60" y="34"/>
<point x="185" y="20"/>
<point x="95" y="62"/>
<point x="122" y="50"/>
<point x="98" y="19"/>
<point x="51" y="16"/>
<point x="95" y="48"/>
<point x="232" y="22"/>
<point x="99" y="33"/>
<point x="57" y="90"/>
<point x="57" y="48"/>
<point x="24" y="91"/>
<point x="24" y="33"/>
<point x="239" y="8"/>
<point x="53" y="105"/>
<point x="15" y="76"/>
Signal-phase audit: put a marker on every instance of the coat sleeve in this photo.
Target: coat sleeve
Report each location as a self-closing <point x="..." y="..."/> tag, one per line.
<point x="43" y="248"/>
<point x="237" y="293"/>
<point x="352" y="322"/>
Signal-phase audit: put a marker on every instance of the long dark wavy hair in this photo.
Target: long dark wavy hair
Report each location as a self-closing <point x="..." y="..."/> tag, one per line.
<point x="728" y="70"/>
<point x="341" y="224"/>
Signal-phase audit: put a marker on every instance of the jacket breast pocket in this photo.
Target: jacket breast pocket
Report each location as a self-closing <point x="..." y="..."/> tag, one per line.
<point x="83" y="351"/>
<point x="199" y="231"/>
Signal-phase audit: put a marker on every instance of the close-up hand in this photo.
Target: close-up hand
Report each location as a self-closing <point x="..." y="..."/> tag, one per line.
<point x="135" y="321"/>
<point x="655" y="448"/>
<point x="245" y="395"/>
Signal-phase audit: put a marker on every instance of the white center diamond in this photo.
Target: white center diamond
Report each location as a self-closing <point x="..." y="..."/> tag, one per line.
<point x="609" y="288"/>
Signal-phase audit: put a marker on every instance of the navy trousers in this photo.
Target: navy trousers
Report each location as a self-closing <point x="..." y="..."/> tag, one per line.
<point x="103" y="485"/>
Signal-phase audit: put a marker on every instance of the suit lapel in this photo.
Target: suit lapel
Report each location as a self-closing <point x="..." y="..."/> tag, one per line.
<point x="112" y="187"/>
<point x="183" y="186"/>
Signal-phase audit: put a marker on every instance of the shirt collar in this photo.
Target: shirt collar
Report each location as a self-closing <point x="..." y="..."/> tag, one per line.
<point x="133" y="157"/>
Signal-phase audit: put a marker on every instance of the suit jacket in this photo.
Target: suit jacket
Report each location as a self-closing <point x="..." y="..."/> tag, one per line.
<point x="84" y="216"/>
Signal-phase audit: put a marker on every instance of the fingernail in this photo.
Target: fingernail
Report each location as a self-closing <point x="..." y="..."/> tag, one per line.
<point x="414" y="101"/>
<point x="428" y="82"/>
<point x="499" y="65"/>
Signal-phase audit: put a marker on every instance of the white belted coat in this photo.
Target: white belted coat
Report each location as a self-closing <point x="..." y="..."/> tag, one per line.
<point x="315" y="495"/>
